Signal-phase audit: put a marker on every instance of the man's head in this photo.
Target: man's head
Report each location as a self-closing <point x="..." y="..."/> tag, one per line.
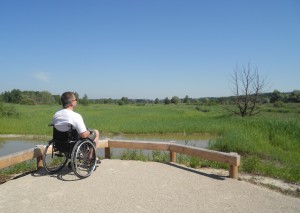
<point x="68" y="99"/>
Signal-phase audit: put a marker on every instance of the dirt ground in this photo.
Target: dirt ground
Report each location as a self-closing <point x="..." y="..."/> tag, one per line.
<point x="135" y="186"/>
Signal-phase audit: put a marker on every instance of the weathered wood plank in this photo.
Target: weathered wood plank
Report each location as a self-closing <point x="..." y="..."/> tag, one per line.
<point x="233" y="159"/>
<point x="147" y="145"/>
<point x="103" y="144"/>
<point x="229" y="158"/>
<point x="16" y="158"/>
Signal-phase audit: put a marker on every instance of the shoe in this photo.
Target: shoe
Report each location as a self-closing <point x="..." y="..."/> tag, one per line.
<point x="59" y="154"/>
<point x="98" y="161"/>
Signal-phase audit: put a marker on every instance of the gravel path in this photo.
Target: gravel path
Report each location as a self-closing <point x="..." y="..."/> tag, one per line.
<point x="134" y="186"/>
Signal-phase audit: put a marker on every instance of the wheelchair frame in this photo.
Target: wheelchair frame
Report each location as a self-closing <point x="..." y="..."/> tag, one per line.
<point x="66" y="146"/>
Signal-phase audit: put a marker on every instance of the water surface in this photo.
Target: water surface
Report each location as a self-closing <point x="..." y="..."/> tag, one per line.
<point x="9" y="145"/>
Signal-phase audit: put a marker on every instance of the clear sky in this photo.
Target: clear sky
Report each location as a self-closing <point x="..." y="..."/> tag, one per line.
<point x="147" y="48"/>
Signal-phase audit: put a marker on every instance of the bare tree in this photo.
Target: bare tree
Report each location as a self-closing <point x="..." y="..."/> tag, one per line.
<point x="247" y="86"/>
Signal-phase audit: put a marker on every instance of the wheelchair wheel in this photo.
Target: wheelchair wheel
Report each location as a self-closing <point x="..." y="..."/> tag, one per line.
<point x="53" y="160"/>
<point x="83" y="159"/>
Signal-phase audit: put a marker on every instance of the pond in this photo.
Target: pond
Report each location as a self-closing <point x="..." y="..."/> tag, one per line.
<point x="13" y="144"/>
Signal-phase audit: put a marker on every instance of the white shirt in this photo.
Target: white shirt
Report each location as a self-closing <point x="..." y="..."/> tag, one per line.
<point x="64" y="117"/>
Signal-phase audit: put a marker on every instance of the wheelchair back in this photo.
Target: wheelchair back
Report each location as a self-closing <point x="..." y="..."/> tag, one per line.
<point x="65" y="146"/>
<point x="65" y="141"/>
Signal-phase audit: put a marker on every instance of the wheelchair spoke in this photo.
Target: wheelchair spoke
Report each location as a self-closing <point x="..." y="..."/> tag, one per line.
<point x="84" y="157"/>
<point x="53" y="160"/>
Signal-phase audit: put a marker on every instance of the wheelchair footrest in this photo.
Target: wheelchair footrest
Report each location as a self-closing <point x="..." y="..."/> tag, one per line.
<point x="58" y="154"/>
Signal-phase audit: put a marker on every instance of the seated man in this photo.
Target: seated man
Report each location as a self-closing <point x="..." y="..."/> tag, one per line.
<point x="66" y="116"/>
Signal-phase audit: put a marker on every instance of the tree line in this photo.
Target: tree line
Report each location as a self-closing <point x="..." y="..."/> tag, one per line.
<point x="44" y="97"/>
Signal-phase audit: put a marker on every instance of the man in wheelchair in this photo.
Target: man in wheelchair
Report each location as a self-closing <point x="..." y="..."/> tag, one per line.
<point x="71" y="141"/>
<point x="66" y="118"/>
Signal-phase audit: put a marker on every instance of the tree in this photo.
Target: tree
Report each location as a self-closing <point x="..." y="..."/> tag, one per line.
<point x="175" y="100"/>
<point x="47" y="97"/>
<point x="108" y="101"/>
<point x="167" y="100"/>
<point x="85" y="101"/>
<point x="6" y="96"/>
<point x="295" y="96"/>
<point x="125" y="100"/>
<point x="276" y="96"/>
<point x="186" y="100"/>
<point x="16" y="96"/>
<point x="247" y="86"/>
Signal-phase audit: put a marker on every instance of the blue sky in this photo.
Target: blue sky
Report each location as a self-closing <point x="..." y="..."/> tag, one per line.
<point x="147" y="48"/>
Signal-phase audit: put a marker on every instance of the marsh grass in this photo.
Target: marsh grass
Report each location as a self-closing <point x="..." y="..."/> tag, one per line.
<point x="269" y="143"/>
<point x="21" y="168"/>
<point x="163" y="157"/>
<point x="133" y="155"/>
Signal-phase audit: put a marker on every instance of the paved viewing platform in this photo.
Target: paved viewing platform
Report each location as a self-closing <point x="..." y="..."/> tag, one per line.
<point x="135" y="186"/>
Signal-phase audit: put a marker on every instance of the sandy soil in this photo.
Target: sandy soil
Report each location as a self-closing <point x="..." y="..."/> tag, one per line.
<point x="134" y="186"/>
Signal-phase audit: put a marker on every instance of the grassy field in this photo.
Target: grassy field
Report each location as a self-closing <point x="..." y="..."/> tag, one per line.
<point x="269" y="143"/>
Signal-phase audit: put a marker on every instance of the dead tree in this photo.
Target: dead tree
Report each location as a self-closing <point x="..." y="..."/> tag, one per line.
<point x="247" y="86"/>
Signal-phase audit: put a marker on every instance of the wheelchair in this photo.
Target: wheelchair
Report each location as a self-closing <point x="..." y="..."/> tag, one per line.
<point x="66" y="146"/>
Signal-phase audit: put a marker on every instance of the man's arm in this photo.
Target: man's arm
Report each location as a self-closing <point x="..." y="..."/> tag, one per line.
<point x="85" y="134"/>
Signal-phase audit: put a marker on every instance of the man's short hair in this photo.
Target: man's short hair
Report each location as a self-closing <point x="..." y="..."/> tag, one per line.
<point x="66" y="99"/>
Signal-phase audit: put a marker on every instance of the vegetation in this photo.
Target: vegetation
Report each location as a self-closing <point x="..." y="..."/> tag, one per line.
<point x="35" y="97"/>
<point x="269" y="142"/>
<point x="21" y="168"/>
<point x="247" y="88"/>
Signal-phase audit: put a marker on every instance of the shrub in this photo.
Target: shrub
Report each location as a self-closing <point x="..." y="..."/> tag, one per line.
<point x="175" y="100"/>
<point x="133" y="155"/>
<point x="159" y="156"/>
<point x="202" y="109"/>
<point x="28" y="102"/>
<point x="8" y="111"/>
<point x="182" y="159"/>
<point x="121" y="103"/>
<point x="194" y="162"/>
<point x="251" y="164"/>
<point x="278" y="104"/>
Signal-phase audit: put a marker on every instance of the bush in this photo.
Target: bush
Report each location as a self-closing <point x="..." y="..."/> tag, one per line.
<point x="121" y="103"/>
<point x="175" y="100"/>
<point x="133" y="155"/>
<point x="8" y="111"/>
<point x="278" y="104"/>
<point x="202" y="109"/>
<point x="159" y="156"/>
<point x="182" y="159"/>
<point x="251" y="164"/>
<point x="194" y="162"/>
<point x="28" y="102"/>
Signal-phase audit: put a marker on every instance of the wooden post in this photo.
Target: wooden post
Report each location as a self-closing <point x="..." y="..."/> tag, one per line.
<point x="233" y="159"/>
<point x="172" y="154"/>
<point x="39" y="162"/>
<point x="233" y="172"/>
<point x="107" y="152"/>
<point x="233" y="169"/>
<point x="106" y="148"/>
<point x="38" y="153"/>
<point x="172" y="157"/>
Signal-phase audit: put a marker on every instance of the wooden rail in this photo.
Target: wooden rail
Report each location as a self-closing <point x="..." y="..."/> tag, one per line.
<point x="232" y="159"/>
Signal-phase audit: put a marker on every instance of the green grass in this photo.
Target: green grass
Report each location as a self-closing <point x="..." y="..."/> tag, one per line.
<point x="21" y="168"/>
<point x="269" y="143"/>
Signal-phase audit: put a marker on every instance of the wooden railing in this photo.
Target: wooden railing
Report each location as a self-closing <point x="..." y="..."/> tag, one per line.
<point x="232" y="159"/>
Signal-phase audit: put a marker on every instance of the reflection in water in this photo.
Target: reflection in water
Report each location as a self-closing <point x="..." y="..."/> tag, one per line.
<point x="195" y="140"/>
<point x="13" y="145"/>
